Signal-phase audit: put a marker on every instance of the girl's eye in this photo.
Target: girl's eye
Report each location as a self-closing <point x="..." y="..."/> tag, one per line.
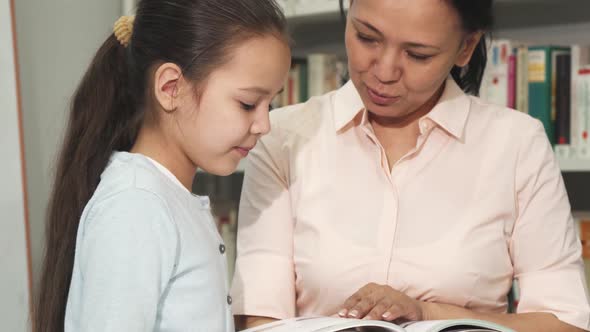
<point x="247" y="107"/>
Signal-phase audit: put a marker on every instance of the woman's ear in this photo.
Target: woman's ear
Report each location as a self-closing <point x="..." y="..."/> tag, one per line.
<point x="167" y="79"/>
<point x="469" y="45"/>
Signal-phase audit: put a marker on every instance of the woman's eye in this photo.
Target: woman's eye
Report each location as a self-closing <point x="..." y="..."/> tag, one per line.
<point x="247" y="107"/>
<point x="419" y="57"/>
<point x="364" y="39"/>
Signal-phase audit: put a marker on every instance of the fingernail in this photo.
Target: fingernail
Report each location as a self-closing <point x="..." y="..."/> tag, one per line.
<point x="385" y="315"/>
<point x="367" y="317"/>
<point x="342" y="312"/>
<point x="353" y="313"/>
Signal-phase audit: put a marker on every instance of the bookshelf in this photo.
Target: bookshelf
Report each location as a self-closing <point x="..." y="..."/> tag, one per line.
<point x="570" y="165"/>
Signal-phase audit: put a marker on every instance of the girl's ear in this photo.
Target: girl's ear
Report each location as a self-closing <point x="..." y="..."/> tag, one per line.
<point x="469" y="45"/>
<point x="167" y="79"/>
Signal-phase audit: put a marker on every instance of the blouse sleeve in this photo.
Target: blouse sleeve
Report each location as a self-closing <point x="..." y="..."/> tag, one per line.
<point x="264" y="280"/>
<point x="545" y="247"/>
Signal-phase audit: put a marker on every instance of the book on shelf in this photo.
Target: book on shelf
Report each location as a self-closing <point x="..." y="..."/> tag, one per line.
<point x="580" y="59"/>
<point x="496" y="85"/>
<point x="522" y="78"/>
<point x="326" y="73"/>
<point x="584" y="235"/>
<point x="542" y="85"/>
<point x="314" y="75"/>
<point x="551" y="83"/>
<point x="334" y="324"/>
<point x="581" y="112"/>
<point x="505" y="79"/>
<point x="562" y="98"/>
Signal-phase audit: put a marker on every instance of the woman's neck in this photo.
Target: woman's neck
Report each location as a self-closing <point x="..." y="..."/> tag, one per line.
<point x="400" y="135"/>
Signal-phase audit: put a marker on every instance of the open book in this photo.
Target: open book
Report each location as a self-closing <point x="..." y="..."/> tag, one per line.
<point x="333" y="324"/>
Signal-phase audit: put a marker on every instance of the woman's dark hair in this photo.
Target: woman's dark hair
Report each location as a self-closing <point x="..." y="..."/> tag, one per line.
<point x="475" y="15"/>
<point x="112" y="100"/>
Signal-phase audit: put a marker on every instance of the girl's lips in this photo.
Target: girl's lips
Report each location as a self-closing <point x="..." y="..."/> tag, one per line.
<point x="243" y="151"/>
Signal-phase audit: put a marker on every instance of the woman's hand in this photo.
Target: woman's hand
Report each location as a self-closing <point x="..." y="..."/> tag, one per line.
<point x="383" y="303"/>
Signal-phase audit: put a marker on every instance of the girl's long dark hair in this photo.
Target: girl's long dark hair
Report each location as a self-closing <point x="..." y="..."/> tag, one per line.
<point x="111" y="102"/>
<point x="475" y="15"/>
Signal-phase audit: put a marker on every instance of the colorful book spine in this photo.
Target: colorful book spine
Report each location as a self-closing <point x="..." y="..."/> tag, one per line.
<point x="583" y="112"/>
<point x="563" y="98"/>
<point x="512" y="80"/>
<point x="580" y="57"/>
<point x="542" y="86"/>
<point x="495" y="84"/>
<point x="522" y="79"/>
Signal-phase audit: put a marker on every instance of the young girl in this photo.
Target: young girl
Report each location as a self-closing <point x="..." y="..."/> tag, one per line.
<point x="186" y="84"/>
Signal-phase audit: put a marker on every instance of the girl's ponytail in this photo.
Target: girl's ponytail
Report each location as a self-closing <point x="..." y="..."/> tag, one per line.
<point x="102" y="119"/>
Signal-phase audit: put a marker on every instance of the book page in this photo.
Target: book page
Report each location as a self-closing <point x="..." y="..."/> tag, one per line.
<point x="336" y="324"/>
<point x="421" y="326"/>
<point x="326" y="324"/>
<point x="457" y="325"/>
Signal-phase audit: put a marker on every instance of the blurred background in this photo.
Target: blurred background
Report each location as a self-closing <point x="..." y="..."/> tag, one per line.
<point x="45" y="47"/>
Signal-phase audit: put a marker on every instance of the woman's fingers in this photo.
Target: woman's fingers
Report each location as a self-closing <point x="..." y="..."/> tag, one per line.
<point x="349" y="304"/>
<point x="395" y="311"/>
<point x="362" y="307"/>
<point x="379" y="310"/>
<point x="381" y="303"/>
<point x="348" y="308"/>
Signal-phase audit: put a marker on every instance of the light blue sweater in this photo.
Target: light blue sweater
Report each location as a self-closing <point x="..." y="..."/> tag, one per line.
<point x="148" y="256"/>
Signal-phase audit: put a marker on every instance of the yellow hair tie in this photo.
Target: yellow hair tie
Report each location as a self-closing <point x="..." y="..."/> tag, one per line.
<point x="123" y="29"/>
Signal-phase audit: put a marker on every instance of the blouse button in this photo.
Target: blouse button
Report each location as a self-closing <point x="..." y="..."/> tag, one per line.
<point x="229" y="300"/>
<point x="221" y="248"/>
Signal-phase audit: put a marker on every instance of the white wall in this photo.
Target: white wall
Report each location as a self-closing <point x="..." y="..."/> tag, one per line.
<point x="14" y="274"/>
<point x="56" y="41"/>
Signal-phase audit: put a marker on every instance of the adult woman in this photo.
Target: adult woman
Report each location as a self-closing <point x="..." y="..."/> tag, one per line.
<point x="399" y="196"/>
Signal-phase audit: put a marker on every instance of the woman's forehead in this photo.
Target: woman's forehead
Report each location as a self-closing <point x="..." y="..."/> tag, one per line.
<point x="420" y="19"/>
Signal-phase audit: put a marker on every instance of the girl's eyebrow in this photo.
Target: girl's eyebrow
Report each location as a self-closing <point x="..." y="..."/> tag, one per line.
<point x="260" y="90"/>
